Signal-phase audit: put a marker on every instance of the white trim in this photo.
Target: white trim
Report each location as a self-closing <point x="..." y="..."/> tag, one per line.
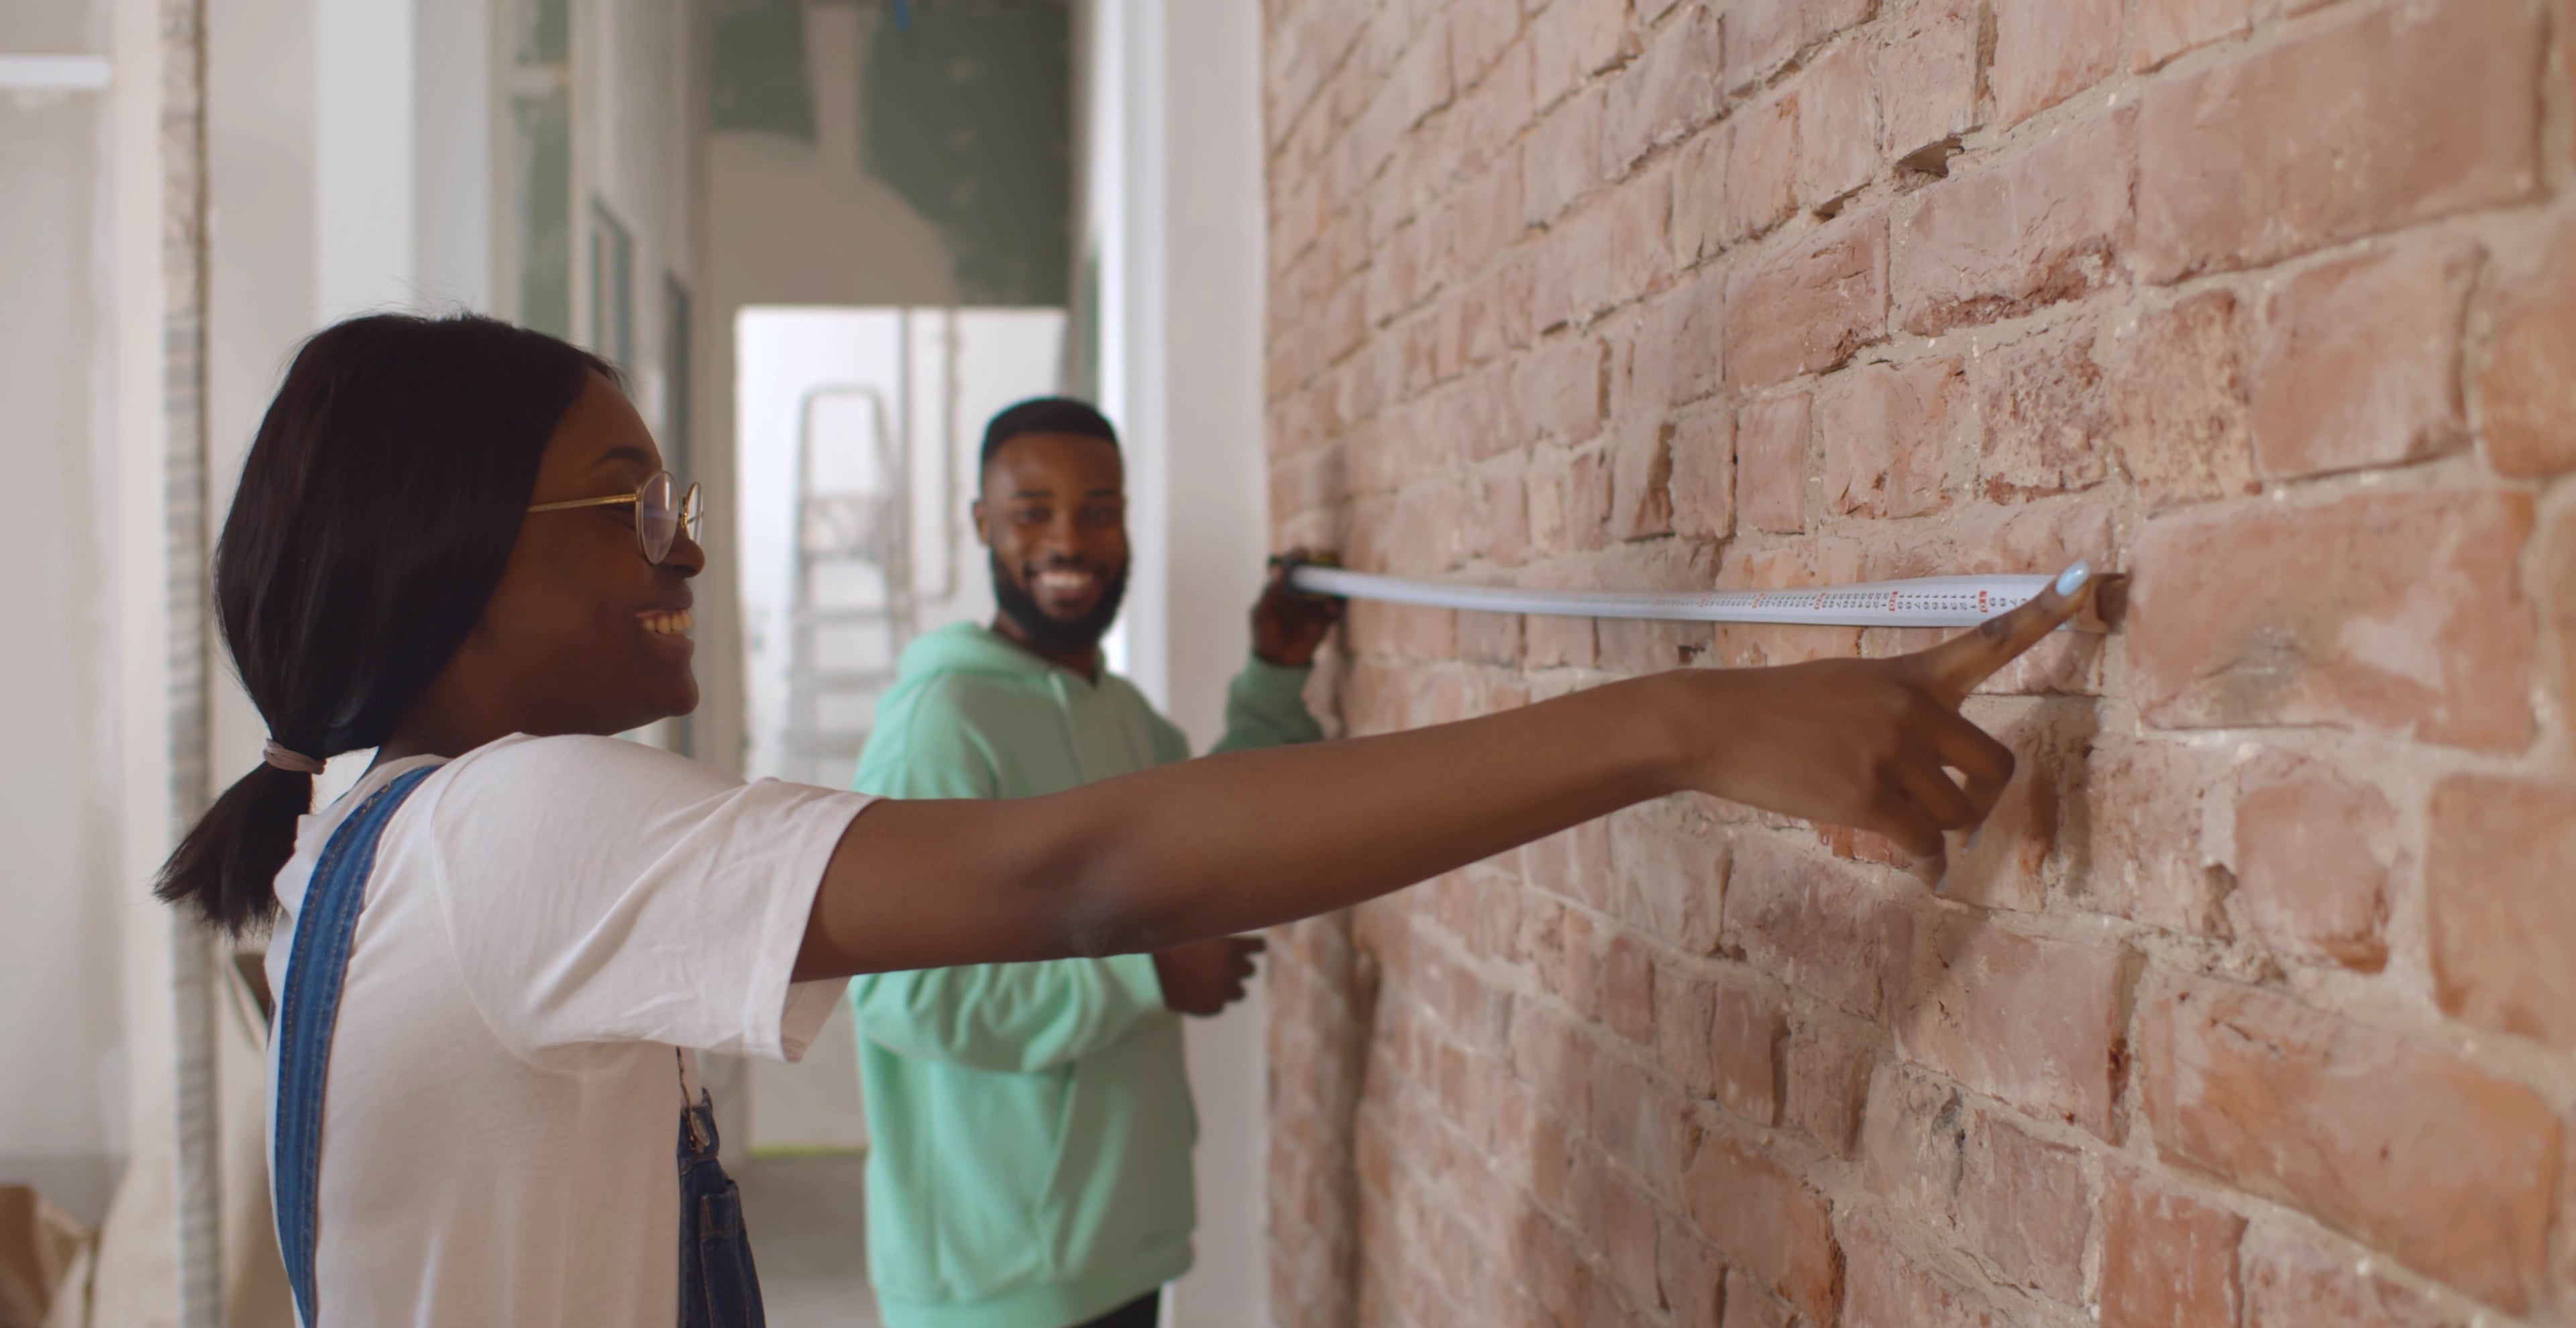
<point x="55" y="73"/>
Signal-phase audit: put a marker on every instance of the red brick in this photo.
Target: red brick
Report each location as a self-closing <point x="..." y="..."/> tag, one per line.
<point x="2396" y="613"/>
<point x="1574" y="863"/>
<point x="2046" y="417"/>
<point x="1771" y="463"/>
<point x="2167" y="28"/>
<point x="1575" y="39"/>
<point x="1479" y="33"/>
<point x="1564" y="389"/>
<point x="1837" y="125"/>
<point x="2500" y="861"/>
<point x="1641" y="502"/>
<point x="1749" y="1306"/>
<point x="1692" y="1276"/>
<point x="2025" y="1209"/>
<point x="1889" y="1290"/>
<point x="2005" y="863"/>
<point x="1628" y="989"/>
<point x="2411" y="1151"/>
<point x="1820" y="926"/>
<point x="2168" y="1259"/>
<point x="1679" y="351"/>
<point x="2557" y="596"/>
<point x="2290" y="1283"/>
<point x="2396" y="115"/>
<point x="2047" y="51"/>
<point x="1808" y="308"/>
<point x="1914" y="1144"/>
<point x="2313" y="857"/>
<point x="1927" y="76"/>
<point x="2179" y="417"/>
<point x="1668" y="92"/>
<point x="1703" y="452"/>
<point x="1721" y="1040"/>
<point x="2360" y="362"/>
<point x="1486" y="218"/>
<point x="1640" y="1122"/>
<point x="1766" y="1222"/>
<point x="1625" y="1230"/>
<point x="1827" y="1064"/>
<point x="2526" y="395"/>
<point x="1762" y="35"/>
<point x="2146" y="807"/>
<point x="1561" y="161"/>
<point x="1628" y="239"/>
<point x="1761" y="168"/>
<point x="1672" y="865"/>
<point x="2040" y="1023"/>
<point x="1699" y="198"/>
<point x="1489" y="119"/>
<point x="2051" y="225"/>
<point x="1888" y="438"/>
<point x="1501" y="519"/>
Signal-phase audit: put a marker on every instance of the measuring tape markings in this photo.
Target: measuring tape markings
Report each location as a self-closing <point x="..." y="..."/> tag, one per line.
<point x="1932" y="601"/>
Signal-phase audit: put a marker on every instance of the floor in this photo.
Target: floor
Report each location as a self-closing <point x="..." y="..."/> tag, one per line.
<point x="808" y="1232"/>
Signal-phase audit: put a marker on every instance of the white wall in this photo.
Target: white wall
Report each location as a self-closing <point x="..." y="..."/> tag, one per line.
<point x="62" y="1122"/>
<point x="1172" y="151"/>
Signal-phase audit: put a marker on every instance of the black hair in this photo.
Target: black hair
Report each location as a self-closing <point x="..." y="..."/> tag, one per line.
<point x="1046" y="415"/>
<point x="375" y="513"/>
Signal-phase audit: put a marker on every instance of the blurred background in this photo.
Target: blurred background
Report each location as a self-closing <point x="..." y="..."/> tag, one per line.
<point x="824" y="238"/>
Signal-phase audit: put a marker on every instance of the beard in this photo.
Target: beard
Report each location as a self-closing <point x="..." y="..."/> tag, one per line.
<point x="1055" y="634"/>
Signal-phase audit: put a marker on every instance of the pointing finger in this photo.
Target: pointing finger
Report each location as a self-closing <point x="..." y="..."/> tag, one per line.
<point x="1956" y="666"/>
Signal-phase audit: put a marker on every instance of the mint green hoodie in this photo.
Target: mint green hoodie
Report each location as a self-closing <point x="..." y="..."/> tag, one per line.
<point x="1030" y="1125"/>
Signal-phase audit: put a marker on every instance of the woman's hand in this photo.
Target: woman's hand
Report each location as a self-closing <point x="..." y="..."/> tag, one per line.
<point x="1241" y="841"/>
<point x="1870" y="742"/>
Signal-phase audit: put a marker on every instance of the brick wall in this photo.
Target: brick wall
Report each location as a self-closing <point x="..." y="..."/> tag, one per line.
<point x="2253" y="1004"/>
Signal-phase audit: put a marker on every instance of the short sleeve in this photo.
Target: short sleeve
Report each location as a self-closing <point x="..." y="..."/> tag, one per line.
<point x="597" y="890"/>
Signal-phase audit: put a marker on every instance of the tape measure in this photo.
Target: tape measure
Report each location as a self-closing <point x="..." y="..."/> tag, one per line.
<point x="1932" y="601"/>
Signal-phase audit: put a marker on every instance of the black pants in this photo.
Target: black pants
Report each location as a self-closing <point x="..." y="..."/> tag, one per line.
<point x="1142" y="1312"/>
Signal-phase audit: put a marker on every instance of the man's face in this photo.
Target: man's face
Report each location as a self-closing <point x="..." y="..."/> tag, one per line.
<point x="1054" y="514"/>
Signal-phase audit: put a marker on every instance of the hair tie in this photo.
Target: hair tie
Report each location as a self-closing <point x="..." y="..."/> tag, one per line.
<point x="286" y="760"/>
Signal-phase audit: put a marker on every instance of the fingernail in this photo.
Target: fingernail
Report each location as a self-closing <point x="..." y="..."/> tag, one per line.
<point x="2073" y="578"/>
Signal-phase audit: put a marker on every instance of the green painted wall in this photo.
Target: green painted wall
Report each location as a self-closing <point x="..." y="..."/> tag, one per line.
<point x="968" y="114"/>
<point x="965" y="114"/>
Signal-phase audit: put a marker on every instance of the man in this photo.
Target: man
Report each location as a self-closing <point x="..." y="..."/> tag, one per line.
<point x="1031" y="1124"/>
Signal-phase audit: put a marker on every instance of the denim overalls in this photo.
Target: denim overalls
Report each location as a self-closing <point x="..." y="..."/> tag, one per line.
<point x="718" y="1288"/>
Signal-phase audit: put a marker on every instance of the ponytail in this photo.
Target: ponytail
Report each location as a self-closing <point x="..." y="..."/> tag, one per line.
<point x="376" y="511"/>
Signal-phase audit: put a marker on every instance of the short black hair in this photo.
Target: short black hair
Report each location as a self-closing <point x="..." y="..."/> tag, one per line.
<point x="1046" y="415"/>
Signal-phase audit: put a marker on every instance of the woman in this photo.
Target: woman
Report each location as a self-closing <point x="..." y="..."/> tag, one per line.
<point x="453" y="543"/>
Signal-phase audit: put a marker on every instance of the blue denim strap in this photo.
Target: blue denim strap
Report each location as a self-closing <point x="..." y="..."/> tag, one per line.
<point x="324" y="930"/>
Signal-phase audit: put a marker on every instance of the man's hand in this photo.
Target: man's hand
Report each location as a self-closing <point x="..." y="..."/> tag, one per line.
<point x="1287" y="624"/>
<point x="1204" y="977"/>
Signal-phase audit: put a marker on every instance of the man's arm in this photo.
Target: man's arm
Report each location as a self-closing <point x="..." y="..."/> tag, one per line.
<point x="1265" y="705"/>
<point x="1249" y="839"/>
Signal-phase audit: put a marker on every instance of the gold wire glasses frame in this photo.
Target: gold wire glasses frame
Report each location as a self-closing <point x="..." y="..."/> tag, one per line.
<point x="658" y="518"/>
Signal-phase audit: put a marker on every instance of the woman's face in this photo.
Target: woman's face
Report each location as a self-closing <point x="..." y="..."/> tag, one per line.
<point x="582" y="635"/>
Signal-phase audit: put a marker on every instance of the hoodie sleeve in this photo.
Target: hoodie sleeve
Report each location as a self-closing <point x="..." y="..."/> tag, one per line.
<point x="1015" y="1017"/>
<point x="1266" y="707"/>
<point x="1022" y="1018"/>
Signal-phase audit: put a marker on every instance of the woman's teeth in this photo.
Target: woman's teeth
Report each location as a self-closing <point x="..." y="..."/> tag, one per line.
<point x="675" y="623"/>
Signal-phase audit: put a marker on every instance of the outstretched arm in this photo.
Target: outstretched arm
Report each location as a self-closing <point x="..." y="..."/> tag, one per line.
<point x="1246" y="840"/>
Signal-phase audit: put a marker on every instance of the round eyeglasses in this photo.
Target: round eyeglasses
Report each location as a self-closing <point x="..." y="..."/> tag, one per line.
<point x="662" y="511"/>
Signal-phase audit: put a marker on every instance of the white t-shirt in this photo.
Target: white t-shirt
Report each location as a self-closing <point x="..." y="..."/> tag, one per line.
<point x="548" y="919"/>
